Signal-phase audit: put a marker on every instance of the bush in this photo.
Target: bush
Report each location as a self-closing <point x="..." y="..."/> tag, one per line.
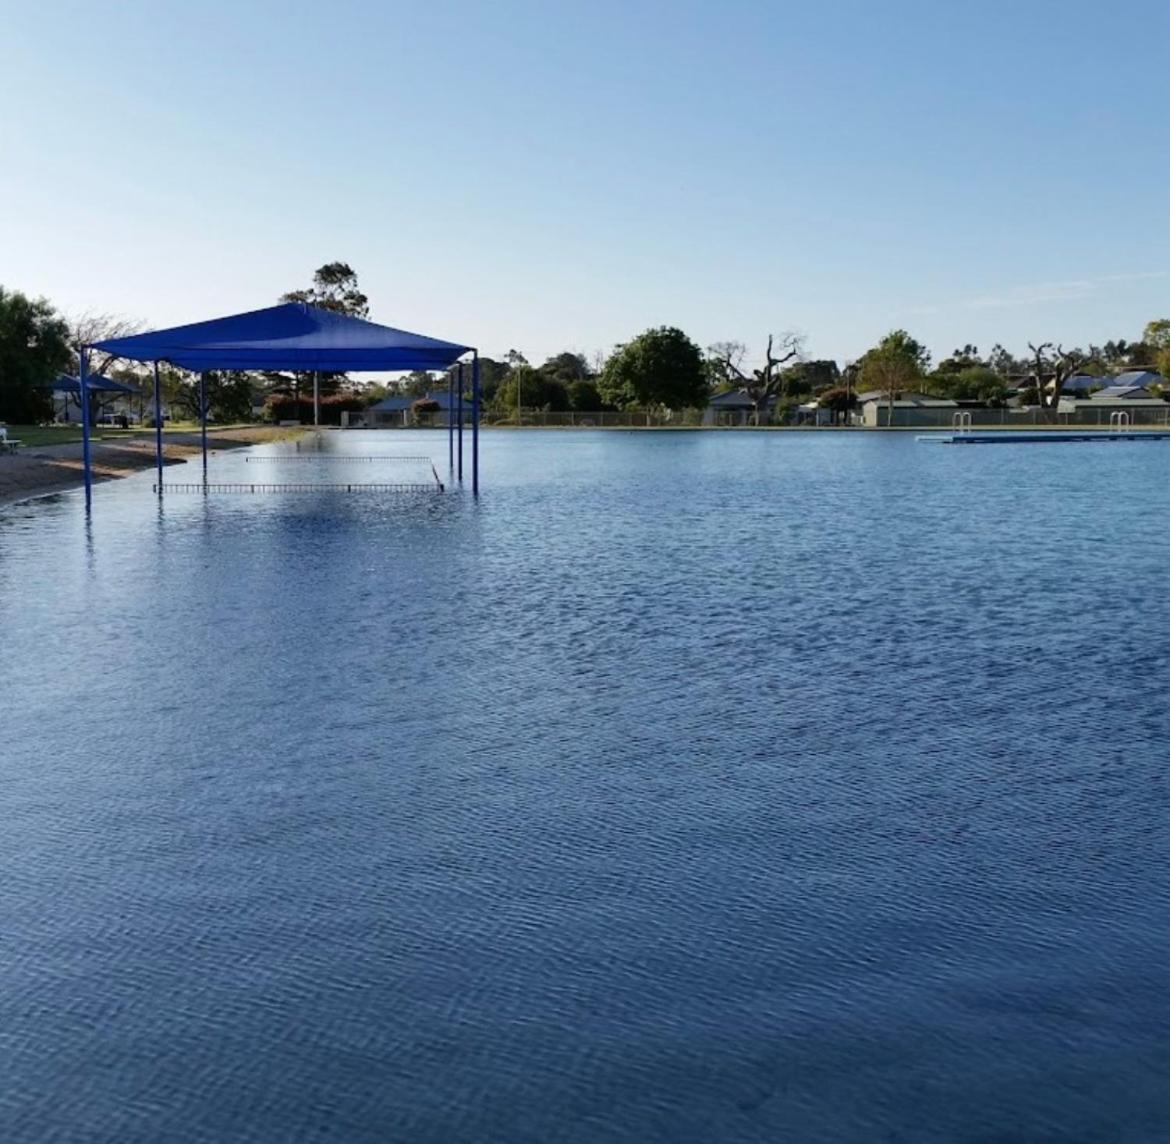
<point x="284" y="407"/>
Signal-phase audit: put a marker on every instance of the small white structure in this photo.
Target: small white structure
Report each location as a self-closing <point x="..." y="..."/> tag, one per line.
<point x="734" y="408"/>
<point x="918" y="409"/>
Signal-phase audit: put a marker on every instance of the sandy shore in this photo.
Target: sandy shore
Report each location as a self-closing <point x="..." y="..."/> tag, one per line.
<point x="45" y="469"/>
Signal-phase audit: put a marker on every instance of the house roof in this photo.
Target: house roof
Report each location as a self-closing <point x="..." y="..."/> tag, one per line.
<point x="1083" y="382"/>
<point x="1142" y="377"/>
<point x="735" y="399"/>
<point x="393" y="404"/>
<point x="1113" y="392"/>
<point x="905" y="400"/>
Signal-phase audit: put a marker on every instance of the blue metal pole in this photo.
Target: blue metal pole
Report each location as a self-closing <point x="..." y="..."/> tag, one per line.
<point x="203" y="419"/>
<point x="158" y="460"/>
<point x="83" y="388"/>
<point x="475" y="424"/>
<point x="460" y="411"/>
<point x="451" y="418"/>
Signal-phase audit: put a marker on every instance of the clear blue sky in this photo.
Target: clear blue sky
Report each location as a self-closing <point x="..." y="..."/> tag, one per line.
<point x="554" y="175"/>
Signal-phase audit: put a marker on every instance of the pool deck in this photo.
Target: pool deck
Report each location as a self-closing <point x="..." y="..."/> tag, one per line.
<point x="1049" y="437"/>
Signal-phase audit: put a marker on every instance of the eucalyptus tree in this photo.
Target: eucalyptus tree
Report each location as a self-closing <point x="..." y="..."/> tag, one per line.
<point x="897" y="362"/>
<point x="1049" y="369"/>
<point x="761" y="385"/>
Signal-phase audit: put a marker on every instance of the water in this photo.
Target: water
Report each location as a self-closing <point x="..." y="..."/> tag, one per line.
<point x="688" y="787"/>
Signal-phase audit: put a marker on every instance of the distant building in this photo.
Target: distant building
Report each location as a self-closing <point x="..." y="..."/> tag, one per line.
<point x="1138" y="404"/>
<point x="394" y="412"/>
<point x="1086" y="384"/>
<point x="734" y="408"/>
<point x="908" y="409"/>
<point x="1121" y="392"/>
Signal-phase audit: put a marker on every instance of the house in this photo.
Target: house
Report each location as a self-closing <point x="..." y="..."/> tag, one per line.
<point x="1085" y="384"/>
<point x="814" y="413"/>
<point x="908" y="409"/>
<point x="393" y="412"/>
<point x="734" y="408"/>
<point x="1121" y="392"/>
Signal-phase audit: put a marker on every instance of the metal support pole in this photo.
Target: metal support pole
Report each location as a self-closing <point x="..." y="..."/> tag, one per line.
<point x="451" y="418"/>
<point x="83" y="392"/>
<point x="459" y="407"/>
<point x="158" y="460"/>
<point x="316" y="399"/>
<point x="475" y="424"/>
<point x="203" y="419"/>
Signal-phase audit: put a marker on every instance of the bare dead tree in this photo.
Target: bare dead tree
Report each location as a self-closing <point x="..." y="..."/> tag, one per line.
<point x="90" y="327"/>
<point x="84" y="330"/>
<point x="1051" y="366"/>
<point x="760" y="385"/>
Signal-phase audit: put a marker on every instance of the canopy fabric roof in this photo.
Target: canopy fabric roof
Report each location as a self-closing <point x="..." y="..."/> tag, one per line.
<point x="66" y="384"/>
<point x="293" y="336"/>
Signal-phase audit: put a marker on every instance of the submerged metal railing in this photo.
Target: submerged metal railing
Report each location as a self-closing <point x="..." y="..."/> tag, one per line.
<point x="300" y="487"/>
<point x="282" y="457"/>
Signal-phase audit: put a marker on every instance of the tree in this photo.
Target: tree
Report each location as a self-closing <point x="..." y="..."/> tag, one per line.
<point x="335" y="287"/>
<point x="90" y="327"/>
<point x="1157" y="336"/>
<point x="659" y="367"/>
<point x="423" y="410"/>
<point x="1051" y="366"/>
<point x="976" y="382"/>
<point x="491" y="377"/>
<point x="762" y="385"/>
<point x="227" y="393"/>
<point x="841" y="399"/>
<point x="1004" y="364"/>
<point x="811" y="377"/>
<point x="585" y="397"/>
<point x="518" y="368"/>
<point x="534" y="388"/>
<point x="965" y="358"/>
<point x="417" y="383"/>
<point x="895" y="363"/>
<point x="566" y="368"/>
<point x="34" y="348"/>
<point x="724" y="362"/>
<point x="84" y="330"/>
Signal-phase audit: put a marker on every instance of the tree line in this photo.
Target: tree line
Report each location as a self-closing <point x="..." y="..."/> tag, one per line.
<point x="661" y="368"/>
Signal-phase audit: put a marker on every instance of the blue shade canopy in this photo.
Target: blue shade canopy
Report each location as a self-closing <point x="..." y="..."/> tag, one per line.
<point x="66" y="384"/>
<point x="292" y="336"/>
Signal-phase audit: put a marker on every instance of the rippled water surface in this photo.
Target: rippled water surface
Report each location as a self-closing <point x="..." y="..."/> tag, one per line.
<point x="688" y="787"/>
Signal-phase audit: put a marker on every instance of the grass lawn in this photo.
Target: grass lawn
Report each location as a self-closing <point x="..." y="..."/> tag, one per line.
<point x="35" y="436"/>
<point x="44" y="434"/>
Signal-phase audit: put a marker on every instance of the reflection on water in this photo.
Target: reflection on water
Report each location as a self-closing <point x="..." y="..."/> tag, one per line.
<point x="697" y="786"/>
